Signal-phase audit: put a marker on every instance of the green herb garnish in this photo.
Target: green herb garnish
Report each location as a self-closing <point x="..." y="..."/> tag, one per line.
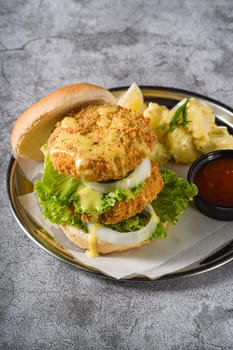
<point x="180" y="117"/>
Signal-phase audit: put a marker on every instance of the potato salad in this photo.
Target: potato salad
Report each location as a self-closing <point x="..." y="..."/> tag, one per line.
<point x="186" y="131"/>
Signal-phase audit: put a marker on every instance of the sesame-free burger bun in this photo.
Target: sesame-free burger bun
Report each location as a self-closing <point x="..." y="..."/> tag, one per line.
<point x="35" y="124"/>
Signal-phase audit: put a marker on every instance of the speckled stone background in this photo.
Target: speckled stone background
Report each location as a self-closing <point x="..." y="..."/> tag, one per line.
<point x="44" y="303"/>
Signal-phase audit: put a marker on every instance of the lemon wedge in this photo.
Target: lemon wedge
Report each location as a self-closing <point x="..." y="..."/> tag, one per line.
<point x="132" y="99"/>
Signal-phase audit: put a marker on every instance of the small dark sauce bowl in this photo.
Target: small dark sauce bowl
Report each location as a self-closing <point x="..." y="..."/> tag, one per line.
<point x="211" y="210"/>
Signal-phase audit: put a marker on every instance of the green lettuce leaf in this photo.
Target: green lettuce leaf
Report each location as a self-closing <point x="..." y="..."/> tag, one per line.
<point x="108" y="200"/>
<point x="174" y="198"/>
<point x="132" y="224"/>
<point x="57" y="185"/>
<point x="56" y="190"/>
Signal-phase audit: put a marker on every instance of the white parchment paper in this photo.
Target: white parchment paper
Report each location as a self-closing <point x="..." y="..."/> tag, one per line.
<point x="191" y="240"/>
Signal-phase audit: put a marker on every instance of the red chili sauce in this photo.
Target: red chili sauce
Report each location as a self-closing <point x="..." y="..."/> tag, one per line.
<point x="215" y="182"/>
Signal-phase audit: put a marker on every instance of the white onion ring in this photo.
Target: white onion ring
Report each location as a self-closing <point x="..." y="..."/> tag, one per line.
<point x="142" y="172"/>
<point x="108" y="235"/>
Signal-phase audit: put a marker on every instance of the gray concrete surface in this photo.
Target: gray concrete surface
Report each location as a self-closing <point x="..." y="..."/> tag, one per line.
<point x="44" y="303"/>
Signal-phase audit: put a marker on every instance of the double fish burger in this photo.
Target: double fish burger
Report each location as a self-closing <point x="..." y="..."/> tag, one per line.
<point x="99" y="184"/>
<point x="106" y="148"/>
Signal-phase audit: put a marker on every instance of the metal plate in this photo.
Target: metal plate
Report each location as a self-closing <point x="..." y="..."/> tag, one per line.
<point x="17" y="185"/>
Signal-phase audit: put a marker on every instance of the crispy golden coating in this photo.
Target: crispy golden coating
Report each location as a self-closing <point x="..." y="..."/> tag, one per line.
<point x="124" y="210"/>
<point x="100" y="143"/>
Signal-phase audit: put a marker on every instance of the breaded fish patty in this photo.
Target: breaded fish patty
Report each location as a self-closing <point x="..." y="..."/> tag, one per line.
<point x="100" y="142"/>
<point x="124" y="210"/>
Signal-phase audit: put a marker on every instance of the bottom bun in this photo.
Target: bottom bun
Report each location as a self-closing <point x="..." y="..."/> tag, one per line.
<point x="80" y="238"/>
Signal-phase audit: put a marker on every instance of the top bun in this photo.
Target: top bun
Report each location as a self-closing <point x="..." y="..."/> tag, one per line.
<point x="34" y="126"/>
